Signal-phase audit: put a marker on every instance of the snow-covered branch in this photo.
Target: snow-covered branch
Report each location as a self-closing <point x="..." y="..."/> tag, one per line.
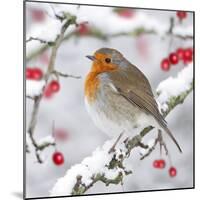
<point x="111" y="168"/>
<point x="38" y="146"/>
<point x="35" y="89"/>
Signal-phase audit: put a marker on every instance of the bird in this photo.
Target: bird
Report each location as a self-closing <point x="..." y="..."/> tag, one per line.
<point x="119" y="97"/>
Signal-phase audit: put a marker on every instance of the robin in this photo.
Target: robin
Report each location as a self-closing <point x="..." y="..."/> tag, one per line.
<point x="119" y="98"/>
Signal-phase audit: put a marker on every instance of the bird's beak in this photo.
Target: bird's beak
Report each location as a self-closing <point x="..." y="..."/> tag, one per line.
<point x="91" y="57"/>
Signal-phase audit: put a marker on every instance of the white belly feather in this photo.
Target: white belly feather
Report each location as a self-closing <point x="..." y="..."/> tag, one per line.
<point x="113" y="114"/>
<point x="113" y="129"/>
<point x="109" y="127"/>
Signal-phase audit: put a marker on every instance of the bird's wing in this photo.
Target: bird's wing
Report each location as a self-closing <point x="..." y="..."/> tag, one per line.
<point x="136" y="89"/>
<point x="145" y="102"/>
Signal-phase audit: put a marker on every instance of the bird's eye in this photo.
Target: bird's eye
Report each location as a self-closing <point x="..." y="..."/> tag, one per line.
<point x="108" y="60"/>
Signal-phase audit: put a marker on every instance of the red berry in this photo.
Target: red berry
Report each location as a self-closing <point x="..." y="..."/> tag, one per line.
<point x="34" y="73"/>
<point x="29" y="73"/>
<point x="61" y="134"/>
<point x="156" y="163"/>
<point x="126" y="13"/>
<point x="37" y="15"/>
<point x="165" y="64"/>
<point x="83" y="29"/>
<point x="181" y="14"/>
<point x="47" y="92"/>
<point x="37" y="73"/>
<point x="188" y="55"/>
<point x="54" y="86"/>
<point x="58" y="158"/>
<point x="180" y="53"/>
<point x="159" y="164"/>
<point x="172" y="171"/>
<point x="162" y="164"/>
<point x="173" y="58"/>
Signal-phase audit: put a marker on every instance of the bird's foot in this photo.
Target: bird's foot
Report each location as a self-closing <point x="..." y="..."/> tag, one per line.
<point x="112" y="149"/>
<point x="142" y="145"/>
<point x="159" y="140"/>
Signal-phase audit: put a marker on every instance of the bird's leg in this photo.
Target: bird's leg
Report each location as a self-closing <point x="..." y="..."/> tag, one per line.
<point x="112" y="149"/>
<point x="162" y="143"/>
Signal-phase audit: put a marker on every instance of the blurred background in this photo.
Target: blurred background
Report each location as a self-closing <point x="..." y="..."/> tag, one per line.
<point x="143" y="36"/>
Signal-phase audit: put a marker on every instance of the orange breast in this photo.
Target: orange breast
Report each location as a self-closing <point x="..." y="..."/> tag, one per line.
<point x="91" y="86"/>
<point x="92" y="81"/>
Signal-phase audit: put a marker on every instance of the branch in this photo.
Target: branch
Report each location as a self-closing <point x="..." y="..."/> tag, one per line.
<point x="50" y="43"/>
<point x="57" y="74"/>
<point x="69" y="20"/>
<point x="110" y="168"/>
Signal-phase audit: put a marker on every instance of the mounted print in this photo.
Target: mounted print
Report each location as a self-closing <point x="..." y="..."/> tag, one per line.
<point x="109" y="99"/>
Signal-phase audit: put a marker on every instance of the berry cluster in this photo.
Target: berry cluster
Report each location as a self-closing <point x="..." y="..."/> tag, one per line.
<point x="181" y="54"/>
<point x="51" y="88"/>
<point x="160" y="164"/>
<point x="34" y="73"/>
<point x="181" y="15"/>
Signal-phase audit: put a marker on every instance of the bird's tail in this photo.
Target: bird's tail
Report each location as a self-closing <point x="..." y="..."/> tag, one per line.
<point x="173" y="138"/>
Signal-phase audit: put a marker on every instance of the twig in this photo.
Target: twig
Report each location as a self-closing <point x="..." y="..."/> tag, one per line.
<point x="29" y="97"/>
<point x="49" y="43"/>
<point x="57" y="73"/>
<point x="112" y="149"/>
<point x="171" y="27"/>
<point x="32" y="124"/>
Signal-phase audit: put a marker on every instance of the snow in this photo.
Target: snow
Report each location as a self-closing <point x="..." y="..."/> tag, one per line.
<point x="150" y="144"/>
<point x="111" y="174"/>
<point x="47" y="31"/>
<point x="34" y="88"/>
<point x="96" y="163"/>
<point x="174" y="86"/>
<point x="46" y="140"/>
<point x="183" y="31"/>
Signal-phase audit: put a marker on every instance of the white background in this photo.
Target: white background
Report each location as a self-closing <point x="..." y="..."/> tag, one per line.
<point x="11" y="88"/>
